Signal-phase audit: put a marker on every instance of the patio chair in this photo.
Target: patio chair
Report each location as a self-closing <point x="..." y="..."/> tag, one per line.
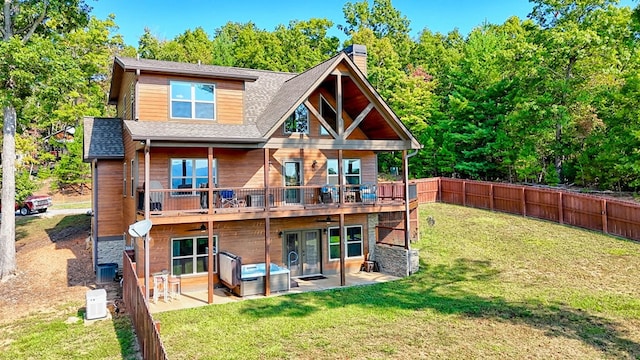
<point x="228" y="198"/>
<point x="156" y="198"/>
<point x="368" y="193"/>
<point x="204" y="197"/>
<point x="325" y="194"/>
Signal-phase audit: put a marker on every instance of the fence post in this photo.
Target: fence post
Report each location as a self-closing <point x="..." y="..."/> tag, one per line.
<point x="605" y="225"/>
<point x="524" y="203"/>
<point x="439" y="193"/>
<point x="560" y="208"/>
<point x="464" y="193"/>
<point x="491" y="197"/>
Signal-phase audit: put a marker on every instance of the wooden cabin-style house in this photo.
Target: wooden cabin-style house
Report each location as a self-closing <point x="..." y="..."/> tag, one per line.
<point x="257" y="166"/>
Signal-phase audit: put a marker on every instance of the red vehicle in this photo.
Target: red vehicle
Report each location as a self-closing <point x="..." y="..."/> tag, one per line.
<point x="34" y="204"/>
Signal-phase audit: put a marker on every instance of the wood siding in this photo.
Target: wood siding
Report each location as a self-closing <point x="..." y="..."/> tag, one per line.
<point x="154" y="98"/>
<point x="246" y="239"/>
<point x="109" y="207"/>
<point x="124" y="108"/>
<point x="128" y="201"/>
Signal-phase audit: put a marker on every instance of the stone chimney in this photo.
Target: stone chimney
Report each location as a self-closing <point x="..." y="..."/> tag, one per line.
<point x="358" y="53"/>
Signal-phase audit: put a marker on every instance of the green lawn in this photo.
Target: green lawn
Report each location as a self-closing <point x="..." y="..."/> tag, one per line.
<point x="62" y="334"/>
<point x="490" y="286"/>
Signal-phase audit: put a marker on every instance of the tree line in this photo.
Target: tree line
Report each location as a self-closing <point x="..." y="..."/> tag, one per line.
<point x="550" y="99"/>
<point x="553" y="98"/>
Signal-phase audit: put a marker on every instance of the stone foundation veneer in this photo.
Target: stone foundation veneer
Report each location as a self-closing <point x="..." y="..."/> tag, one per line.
<point x="110" y="250"/>
<point x="394" y="260"/>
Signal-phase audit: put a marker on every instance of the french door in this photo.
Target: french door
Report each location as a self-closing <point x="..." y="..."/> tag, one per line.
<point x="302" y="252"/>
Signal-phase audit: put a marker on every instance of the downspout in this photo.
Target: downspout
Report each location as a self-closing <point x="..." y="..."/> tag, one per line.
<point x="95" y="214"/>
<point x="407" y="220"/>
<point x="135" y="91"/>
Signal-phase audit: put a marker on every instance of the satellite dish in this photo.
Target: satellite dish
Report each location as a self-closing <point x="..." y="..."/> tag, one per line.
<point x="140" y="228"/>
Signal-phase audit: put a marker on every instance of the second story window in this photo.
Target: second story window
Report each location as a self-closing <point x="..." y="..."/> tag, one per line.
<point x="350" y="167"/>
<point x="193" y="100"/>
<point x="190" y="174"/>
<point x="298" y="122"/>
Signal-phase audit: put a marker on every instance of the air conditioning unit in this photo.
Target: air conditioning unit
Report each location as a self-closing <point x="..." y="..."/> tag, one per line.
<point x="96" y="304"/>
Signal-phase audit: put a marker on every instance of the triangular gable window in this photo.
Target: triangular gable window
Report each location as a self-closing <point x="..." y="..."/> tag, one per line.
<point x="298" y="122"/>
<point x="328" y="114"/>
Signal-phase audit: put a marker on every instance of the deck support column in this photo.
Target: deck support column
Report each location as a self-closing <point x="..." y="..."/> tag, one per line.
<point x="210" y="284"/>
<point x="267" y="226"/>
<point x="341" y="185"/>
<point x="147" y="214"/>
<point x="407" y="220"/>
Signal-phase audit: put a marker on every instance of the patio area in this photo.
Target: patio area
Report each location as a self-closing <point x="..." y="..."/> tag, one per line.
<point x="191" y="299"/>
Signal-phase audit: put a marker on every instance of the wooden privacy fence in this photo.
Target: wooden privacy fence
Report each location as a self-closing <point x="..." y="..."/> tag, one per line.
<point x="146" y="329"/>
<point x="610" y="216"/>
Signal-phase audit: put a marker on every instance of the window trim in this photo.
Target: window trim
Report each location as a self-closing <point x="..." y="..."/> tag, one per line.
<point x="192" y="190"/>
<point x="195" y="256"/>
<point x="192" y="100"/>
<point x="346" y="242"/>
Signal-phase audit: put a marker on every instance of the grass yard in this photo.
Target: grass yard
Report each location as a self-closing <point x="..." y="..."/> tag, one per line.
<point x="61" y="334"/>
<point x="41" y="309"/>
<point x="491" y="285"/>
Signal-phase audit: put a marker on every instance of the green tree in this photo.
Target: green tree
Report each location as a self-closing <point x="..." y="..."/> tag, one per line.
<point x="27" y="59"/>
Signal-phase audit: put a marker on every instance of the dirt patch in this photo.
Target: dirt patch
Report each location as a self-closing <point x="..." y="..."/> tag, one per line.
<point x="54" y="268"/>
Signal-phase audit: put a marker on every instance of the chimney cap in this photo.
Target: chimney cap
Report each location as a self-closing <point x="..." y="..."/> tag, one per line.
<point x="356" y="49"/>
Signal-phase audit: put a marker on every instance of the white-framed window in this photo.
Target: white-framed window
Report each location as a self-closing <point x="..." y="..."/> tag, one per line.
<point x="190" y="100"/>
<point x="329" y="114"/>
<point x="190" y="255"/>
<point x="353" y="242"/>
<point x="191" y="174"/>
<point x="298" y="122"/>
<point x="352" y="171"/>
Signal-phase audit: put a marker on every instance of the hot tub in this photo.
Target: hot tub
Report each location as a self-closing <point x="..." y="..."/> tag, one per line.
<point x="252" y="279"/>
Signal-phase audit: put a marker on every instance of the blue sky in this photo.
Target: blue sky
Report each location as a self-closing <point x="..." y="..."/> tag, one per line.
<point x="168" y="18"/>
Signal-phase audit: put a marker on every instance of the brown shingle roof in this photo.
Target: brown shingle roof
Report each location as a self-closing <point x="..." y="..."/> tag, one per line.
<point x="292" y="92"/>
<point x="102" y="139"/>
<point x="192" y="131"/>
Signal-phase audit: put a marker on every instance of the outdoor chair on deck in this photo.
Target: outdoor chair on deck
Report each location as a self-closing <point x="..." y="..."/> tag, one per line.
<point x="228" y="198"/>
<point x="156" y="198"/>
<point x="368" y="193"/>
<point x="325" y="194"/>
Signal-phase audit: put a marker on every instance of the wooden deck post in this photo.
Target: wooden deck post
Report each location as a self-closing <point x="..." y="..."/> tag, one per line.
<point x="343" y="280"/>
<point x="267" y="226"/>
<point x="210" y="284"/>
<point x="147" y="210"/>
<point x="407" y="220"/>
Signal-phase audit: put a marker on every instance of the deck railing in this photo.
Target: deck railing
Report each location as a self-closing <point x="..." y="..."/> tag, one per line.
<point x="197" y="200"/>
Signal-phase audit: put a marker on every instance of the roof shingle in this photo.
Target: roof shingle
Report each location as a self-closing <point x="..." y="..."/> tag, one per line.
<point x="102" y="138"/>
